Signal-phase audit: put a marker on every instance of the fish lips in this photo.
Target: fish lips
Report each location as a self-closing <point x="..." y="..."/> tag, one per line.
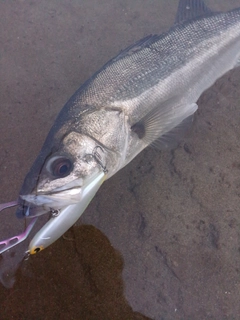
<point x="57" y="225"/>
<point x="32" y="205"/>
<point x="35" y="205"/>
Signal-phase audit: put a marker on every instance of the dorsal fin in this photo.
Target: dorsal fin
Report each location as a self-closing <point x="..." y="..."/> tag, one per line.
<point x="190" y="9"/>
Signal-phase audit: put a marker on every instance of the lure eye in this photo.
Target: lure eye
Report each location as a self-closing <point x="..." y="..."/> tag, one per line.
<point x="35" y="250"/>
<point x="61" y="167"/>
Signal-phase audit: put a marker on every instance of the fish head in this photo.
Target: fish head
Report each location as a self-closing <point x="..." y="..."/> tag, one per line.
<point x="60" y="175"/>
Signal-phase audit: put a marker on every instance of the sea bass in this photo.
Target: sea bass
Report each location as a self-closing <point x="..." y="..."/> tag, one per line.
<point x="142" y="97"/>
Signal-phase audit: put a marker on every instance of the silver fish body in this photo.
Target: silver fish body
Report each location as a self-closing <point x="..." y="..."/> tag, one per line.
<point x="133" y="101"/>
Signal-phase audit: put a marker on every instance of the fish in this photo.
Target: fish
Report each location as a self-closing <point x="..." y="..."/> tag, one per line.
<point x="145" y="96"/>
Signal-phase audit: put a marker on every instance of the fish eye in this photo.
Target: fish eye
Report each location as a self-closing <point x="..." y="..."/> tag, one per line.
<point x="61" y="167"/>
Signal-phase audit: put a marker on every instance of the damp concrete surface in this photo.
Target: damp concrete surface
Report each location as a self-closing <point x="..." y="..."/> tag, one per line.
<point x="161" y="239"/>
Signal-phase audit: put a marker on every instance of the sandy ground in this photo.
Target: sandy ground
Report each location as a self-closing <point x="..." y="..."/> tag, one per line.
<point x="162" y="237"/>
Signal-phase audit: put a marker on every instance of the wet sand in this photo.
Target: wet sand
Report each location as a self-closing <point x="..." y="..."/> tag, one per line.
<point x="166" y="237"/>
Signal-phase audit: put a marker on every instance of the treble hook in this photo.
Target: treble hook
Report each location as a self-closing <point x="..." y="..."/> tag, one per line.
<point x="98" y="159"/>
<point x="96" y="156"/>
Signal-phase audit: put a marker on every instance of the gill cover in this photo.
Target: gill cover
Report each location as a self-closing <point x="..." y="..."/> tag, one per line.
<point x="58" y="225"/>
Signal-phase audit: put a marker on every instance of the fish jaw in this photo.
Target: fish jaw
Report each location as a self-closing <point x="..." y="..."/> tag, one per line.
<point x="35" y="205"/>
<point x="66" y="217"/>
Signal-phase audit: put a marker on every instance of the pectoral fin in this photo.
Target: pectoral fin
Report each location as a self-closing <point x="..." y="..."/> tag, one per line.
<point x="172" y="138"/>
<point x="165" y="124"/>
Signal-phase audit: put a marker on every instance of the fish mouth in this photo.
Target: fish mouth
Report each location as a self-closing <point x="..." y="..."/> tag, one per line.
<point x="66" y="217"/>
<point x="32" y="205"/>
<point x="59" y="223"/>
<point x="36" y="205"/>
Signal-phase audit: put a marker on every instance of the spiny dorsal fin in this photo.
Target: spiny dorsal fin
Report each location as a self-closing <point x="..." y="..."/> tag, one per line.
<point x="190" y="9"/>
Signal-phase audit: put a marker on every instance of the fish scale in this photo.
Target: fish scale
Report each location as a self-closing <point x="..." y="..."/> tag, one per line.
<point x="144" y="96"/>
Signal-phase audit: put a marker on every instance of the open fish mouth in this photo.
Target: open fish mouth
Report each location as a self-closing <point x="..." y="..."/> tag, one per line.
<point x="66" y="217"/>
<point x="66" y="212"/>
<point x="36" y="205"/>
<point x="32" y="205"/>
